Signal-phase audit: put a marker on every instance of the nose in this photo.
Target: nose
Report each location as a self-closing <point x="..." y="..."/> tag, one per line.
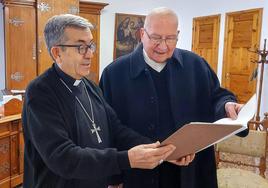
<point x="163" y="45"/>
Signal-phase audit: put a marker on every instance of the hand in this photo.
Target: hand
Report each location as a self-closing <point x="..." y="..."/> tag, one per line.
<point x="183" y="161"/>
<point x="148" y="156"/>
<point x="232" y="109"/>
<point x="116" y="186"/>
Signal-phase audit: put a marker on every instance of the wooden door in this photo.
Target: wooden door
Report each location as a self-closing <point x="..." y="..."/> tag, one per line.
<point x="205" y="38"/>
<point x="20" y="45"/>
<point x="91" y="11"/>
<point x="242" y="32"/>
<point x="45" y="10"/>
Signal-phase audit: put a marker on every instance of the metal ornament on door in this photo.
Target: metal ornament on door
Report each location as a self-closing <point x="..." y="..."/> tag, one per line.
<point x="17" y="76"/>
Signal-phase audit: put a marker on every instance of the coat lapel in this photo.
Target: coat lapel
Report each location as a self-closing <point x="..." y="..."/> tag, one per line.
<point x="176" y="87"/>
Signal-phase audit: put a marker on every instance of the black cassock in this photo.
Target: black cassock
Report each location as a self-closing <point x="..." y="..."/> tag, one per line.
<point x="156" y="105"/>
<point x="61" y="150"/>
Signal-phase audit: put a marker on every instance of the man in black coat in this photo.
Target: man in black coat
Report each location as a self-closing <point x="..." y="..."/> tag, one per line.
<point x="70" y="132"/>
<point x="157" y="89"/>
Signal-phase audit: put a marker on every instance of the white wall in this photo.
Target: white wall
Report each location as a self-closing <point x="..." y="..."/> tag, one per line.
<point x="2" y="52"/>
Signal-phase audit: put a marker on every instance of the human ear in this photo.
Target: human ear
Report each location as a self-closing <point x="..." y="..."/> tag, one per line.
<point x="55" y="52"/>
<point x="142" y="32"/>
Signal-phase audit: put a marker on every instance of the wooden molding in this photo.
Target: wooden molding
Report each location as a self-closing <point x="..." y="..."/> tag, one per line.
<point x="18" y="2"/>
<point x="91" y="7"/>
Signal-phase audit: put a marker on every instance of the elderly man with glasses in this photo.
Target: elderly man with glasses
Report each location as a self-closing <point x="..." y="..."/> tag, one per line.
<point x="157" y="89"/>
<point x="72" y="136"/>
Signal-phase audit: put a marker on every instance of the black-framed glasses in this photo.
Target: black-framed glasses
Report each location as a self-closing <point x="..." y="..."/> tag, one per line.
<point x="156" y="39"/>
<point x="82" y="48"/>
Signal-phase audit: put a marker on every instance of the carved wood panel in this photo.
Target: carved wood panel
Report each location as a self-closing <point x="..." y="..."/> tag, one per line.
<point x="205" y="39"/>
<point x="10" y="162"/>
<point x="5" y="158"/>
<point x="45" y="10"/>
<point x="20" y="45"/>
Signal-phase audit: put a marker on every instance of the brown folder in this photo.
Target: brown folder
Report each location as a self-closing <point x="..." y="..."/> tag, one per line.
<point x="195" y="137"/>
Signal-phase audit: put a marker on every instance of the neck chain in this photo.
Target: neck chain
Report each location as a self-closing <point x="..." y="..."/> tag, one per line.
<point x="91" y="119"/>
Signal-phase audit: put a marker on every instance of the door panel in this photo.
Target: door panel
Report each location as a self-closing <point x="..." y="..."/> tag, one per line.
<point x="242" y="32"/>
<point x="20" y="42"/>
<point x="205" y="39"/>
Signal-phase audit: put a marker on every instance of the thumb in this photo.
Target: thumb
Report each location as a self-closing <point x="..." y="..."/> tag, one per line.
<point x="153" y="145"/>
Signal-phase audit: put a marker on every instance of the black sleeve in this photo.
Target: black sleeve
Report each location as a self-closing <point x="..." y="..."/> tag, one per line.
<point x="46" y="129"/>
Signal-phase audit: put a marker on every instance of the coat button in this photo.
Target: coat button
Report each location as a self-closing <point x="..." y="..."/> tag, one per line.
<point x="152" y="99"/>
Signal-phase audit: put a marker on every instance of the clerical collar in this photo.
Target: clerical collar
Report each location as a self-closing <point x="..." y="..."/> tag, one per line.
<point x="154" y="65"/>
<point x="70" y="81"/>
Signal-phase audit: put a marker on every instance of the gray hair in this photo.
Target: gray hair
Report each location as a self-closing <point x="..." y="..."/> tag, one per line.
<point x="159" y="12"/>
<point x="56" y="25"/>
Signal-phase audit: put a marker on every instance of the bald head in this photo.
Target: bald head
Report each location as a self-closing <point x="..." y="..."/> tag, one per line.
<point x="158" y="14"/>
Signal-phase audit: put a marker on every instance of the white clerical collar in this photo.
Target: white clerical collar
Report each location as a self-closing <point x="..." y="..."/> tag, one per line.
<point x="154" y="65"/>
<point x="77" y="82"/>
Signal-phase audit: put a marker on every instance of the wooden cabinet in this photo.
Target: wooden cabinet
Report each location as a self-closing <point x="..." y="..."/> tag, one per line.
<point x="26" y="53"/>
<point x="45" y="10"/>
<point x="11" y="151"/>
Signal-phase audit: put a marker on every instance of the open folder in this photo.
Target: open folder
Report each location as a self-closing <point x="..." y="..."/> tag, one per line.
<point x="196" y="136"/>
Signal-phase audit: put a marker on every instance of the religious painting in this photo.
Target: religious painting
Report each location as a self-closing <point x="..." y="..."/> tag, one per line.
<point x="127" y="33"/>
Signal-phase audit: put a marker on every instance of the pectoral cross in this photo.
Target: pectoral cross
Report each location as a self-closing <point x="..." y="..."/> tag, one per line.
<point x="95" y="130"/>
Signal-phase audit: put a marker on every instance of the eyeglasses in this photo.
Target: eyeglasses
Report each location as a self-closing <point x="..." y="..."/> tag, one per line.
<point x="82" y="48"/>
<point x="156" y="40"/>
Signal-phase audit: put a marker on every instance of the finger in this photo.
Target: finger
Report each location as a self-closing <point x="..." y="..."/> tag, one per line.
<point x="192" y="157"/>
<point x="154" y="157"/>
<point x="153" y="145"/>
<point x="163" y="151"/>
<point x="230" y="111"/>
<point x="170" y="150"/>
<point x="188" y="159"/>
<point x="182" y="161"/>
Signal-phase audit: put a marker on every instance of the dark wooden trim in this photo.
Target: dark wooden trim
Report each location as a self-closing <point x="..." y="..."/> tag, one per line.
<point x="91" y="7"/>
<point x="18" y="2"/>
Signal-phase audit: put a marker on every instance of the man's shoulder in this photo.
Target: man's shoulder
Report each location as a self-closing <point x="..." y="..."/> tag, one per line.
<point x="42" y="82"/>
<point x="188" y="53"/>
<point x="188" y="58"/>
<point x="120" y="63"/>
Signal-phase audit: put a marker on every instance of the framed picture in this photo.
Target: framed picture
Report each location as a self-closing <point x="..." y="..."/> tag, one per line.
<point x="127" y="33"/>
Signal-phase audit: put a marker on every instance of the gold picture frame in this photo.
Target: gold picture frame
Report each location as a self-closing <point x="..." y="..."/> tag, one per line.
<point x="127" y="33"/>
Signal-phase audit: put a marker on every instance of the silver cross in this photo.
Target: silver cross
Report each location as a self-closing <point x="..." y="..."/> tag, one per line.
<point x="95" y="130"/>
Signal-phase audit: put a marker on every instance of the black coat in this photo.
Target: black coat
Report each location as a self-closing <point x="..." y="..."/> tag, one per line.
<point x="195" y="95"/>
<point x="60" y="151"/>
